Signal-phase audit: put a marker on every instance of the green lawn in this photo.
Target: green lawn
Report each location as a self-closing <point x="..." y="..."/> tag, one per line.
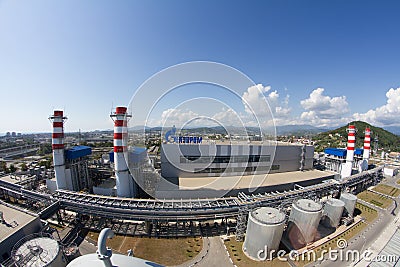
<point x="173" y="251"/>
<point x="241" y="260"/>
<point x="375" y="199"/>
<point x="387" y="190"/>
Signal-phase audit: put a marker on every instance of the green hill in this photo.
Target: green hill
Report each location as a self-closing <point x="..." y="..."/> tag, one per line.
<point x="338" y="137"/>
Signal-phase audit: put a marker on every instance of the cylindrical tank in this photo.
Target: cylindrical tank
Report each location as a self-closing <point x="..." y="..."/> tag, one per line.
<point x="264" y="232"/>
<point x="333" y="211"/>
<point x="350" y="201"/>
<point x="38" y="250"/>
<point x="303" y="222"/>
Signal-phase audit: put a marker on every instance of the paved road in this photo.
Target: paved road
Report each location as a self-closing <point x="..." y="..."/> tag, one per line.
<point x="212" y="254"/>
<point x="216" y="255"/>
<point x="87" y="248"/>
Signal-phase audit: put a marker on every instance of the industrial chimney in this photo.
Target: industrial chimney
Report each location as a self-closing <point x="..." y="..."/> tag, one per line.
<point x="58" y="147"/>
<point x="124" y="180"/>
<point x="351" y="142"/>
<point x="367" y="143"/>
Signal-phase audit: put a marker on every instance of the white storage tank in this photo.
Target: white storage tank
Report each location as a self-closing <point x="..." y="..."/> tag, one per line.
<point x="333" y="211"/>
<point x="303" y="222"/>
<point x="264" y="230"/>
<point x="350" y="201"/>
<point x="38" y="250"/>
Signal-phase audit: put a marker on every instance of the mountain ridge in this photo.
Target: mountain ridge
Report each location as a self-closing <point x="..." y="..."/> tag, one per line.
<point x="338" y="137"/>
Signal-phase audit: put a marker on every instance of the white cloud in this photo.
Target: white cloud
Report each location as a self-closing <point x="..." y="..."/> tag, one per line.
<point x="177" y="116"/>
<point x="229" y="117"/>
<point x="266" y="105"/>
<point x="388" y="114"/>
<point x="254" y="100"/>
<point x="186" y="117"/>
<point x="323" y="110"/>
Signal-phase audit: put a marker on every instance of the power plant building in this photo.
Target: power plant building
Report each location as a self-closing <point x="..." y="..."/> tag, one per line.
<point x="70" y="165"/>
<point x="210" y="160"/>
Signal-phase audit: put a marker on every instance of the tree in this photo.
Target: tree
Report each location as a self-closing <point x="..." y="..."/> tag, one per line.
<point x="46" y="163"/>
<point x="23" y="166"/>
<point x="3" y="166"/>
<point x="12" y="168"/>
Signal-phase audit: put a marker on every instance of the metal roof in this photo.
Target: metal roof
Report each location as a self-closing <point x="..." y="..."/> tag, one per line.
<point x="78" y="152"/>
<point x="136" y="154"/>
<point x="390" y="251"/>
<point x="342" y="152"/>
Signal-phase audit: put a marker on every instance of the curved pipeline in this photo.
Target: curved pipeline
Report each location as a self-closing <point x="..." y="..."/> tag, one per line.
<point x="103" y="252"/>
<point x="101" y="241"/>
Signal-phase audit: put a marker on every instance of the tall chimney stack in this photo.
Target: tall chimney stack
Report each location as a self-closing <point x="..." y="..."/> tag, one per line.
<point x="367" y="143"/>
<point x="351" y="143"/>
<point x="124" y="183"/>
<point x="58" y="147"/>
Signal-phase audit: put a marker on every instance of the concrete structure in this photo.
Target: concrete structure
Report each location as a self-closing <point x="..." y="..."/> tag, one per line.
<point x="351" y="142"/>
<point x="219" y="159"/>
<point x="38" y="250"/>
<point x="58" y="148"/>
<point x="200" y="187"/>
<point x="16" y="224"/>
<point x="390" y="171"/>
<point x="264" y="231"/>
<point x="350" y="201"/>
<point x="303" y="222"/>
<point x="125" y="182"/>
<point x="333" y="211"/>
<point x="76" y="174"/>
<point x="335" y="158"/>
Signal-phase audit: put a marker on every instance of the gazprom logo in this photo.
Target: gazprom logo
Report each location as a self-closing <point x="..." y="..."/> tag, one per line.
<point x="170" y="135"/>
<point x="190" y="139"/>
<point x="172" y="138"/>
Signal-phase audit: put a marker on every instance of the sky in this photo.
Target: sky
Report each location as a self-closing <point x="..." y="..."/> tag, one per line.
<point x="323" y="63"/>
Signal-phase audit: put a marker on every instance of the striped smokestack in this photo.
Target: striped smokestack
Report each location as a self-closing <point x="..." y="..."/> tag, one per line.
<point x="351" y="143"/>
<point x="367" y="144"/>
<point x="124" y="183"/>
<point x="57" y="120"/>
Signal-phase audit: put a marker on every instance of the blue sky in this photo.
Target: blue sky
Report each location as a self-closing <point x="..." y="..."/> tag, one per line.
<point x="87" y="56"/>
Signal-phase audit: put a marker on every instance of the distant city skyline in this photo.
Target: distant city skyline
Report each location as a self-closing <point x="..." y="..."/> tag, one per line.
<point x="317" y="63"/>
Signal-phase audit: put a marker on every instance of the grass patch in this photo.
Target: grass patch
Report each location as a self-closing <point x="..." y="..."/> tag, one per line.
<point x="241" y="260"/>
<point x="387" y="190"/>
<point x="375" y="199"/>
<point x="164" y="251"/>
<point x="369" y="214"/>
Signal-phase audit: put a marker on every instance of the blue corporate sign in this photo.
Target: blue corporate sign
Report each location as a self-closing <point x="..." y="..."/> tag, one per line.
<point x="172" y="138"/>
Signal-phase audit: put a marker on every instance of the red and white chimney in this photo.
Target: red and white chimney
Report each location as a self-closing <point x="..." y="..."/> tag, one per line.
<point x="367" y="144"/>
<point x="58" y="148"/>
<point x="351" y="143"/>
<point x="124" y="181"/>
